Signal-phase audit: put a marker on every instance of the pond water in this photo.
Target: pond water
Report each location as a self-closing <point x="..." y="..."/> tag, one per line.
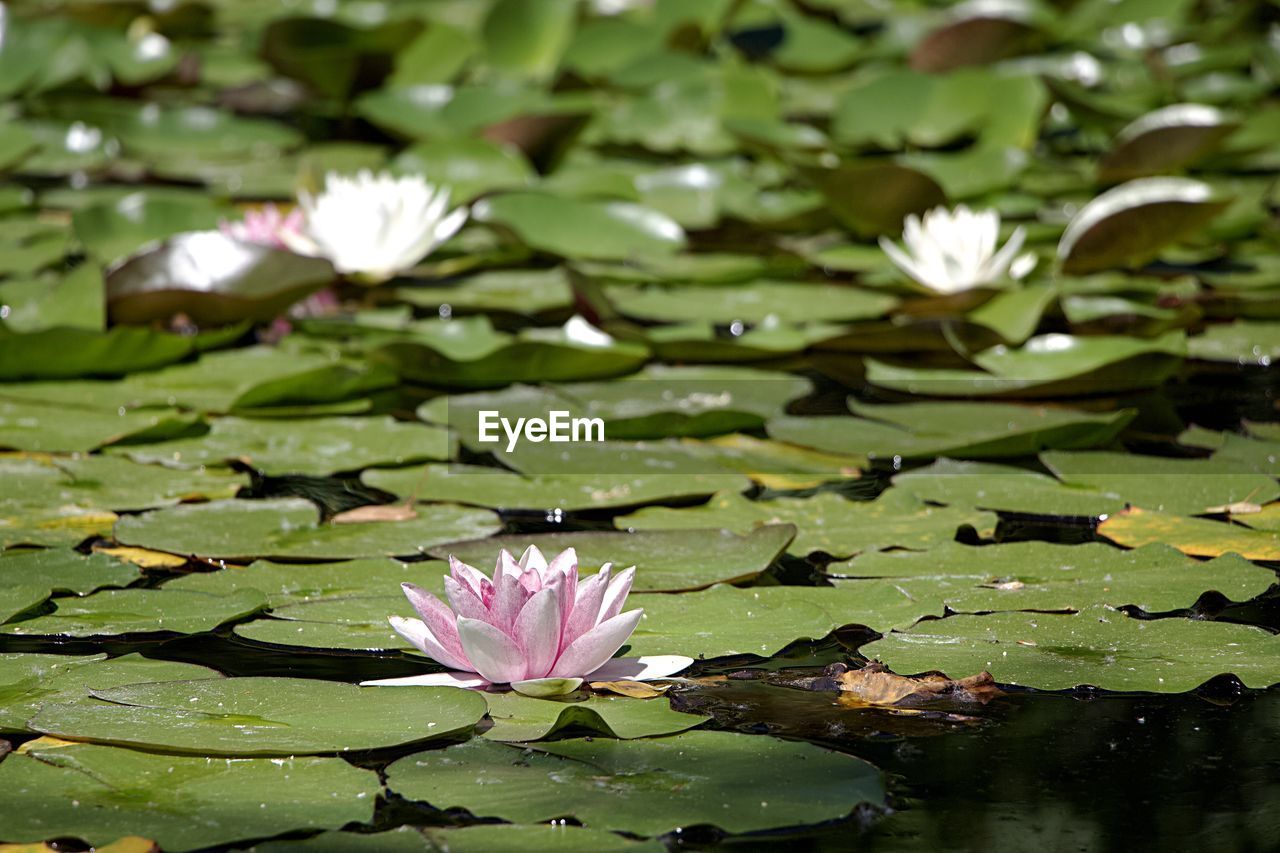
<point x="932" y="348"/>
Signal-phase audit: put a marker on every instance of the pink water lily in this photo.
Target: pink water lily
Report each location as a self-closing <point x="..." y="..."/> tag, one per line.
<point x="534" y="625"/>
<point x="267" y="226"/>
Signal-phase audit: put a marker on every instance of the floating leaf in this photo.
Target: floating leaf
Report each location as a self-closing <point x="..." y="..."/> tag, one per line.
<point x="1129" y="225"/>
<point x="213" y="279"/>
<point x="669" y="782"/>
<point x="139" y="611"/>
<point x="68" y="429"/>
<point x="536" y="838"/>
<point x="262" y="716"/>
<point x="664" y="559"/>
<point x="874" y="197"/>
<point x="755" y="302"/>
<point x="1097" y="646"/>
<point x="1241" y="342"/>
<point x="104" y="482"/>
<point x="826" y="522"/>
<point x="583" y="229"/>
<point x="1005" y="488"/>
<point x="291" y="528"/>
<point x="1198" y="537"/>
<point x="522" y="718"/>
<point x="191" y="802"/>
<point x="1164" y="141"/>
<point x="64" y="571"/>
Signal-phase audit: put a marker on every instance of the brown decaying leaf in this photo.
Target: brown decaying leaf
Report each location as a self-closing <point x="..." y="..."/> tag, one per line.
<point x="876" y="685"/>
<point x="381" y="512"/>
<point x="633" y="689"/>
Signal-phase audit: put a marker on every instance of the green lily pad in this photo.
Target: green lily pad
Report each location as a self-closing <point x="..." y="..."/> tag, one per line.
<point x="1262" y="455"/>
<point x="468" y="167"/>
<point x="295" y="583"/>
<point x="1241" y="342"/>
<point x="64" y="353"/>
<point x="113" y="230"/>
<point x="317" y="446"/>
<point x="1048" y="576"/>
<point x="780" y="465"/>
<point x="667" y="783"/>
<point x="190" y="802"/>
<point x="30" y="681"/>
<point x="64" y="571"/>
<point x="1045" y="366"/>
<point x="19" y="598"/>
<point x="290" y="528"/>
<point x="1129" y="225"/>
<point x="973" y="430"/>
<point x="1178" y="486"/>
<point x="468" y="353"/>
<point x="536" y="838"/>
<point x="595" y="230"/>
<point x="74" y="300"/>
<point x="402" y="839"/>
<point x="211" y="278"/>
<point x="873" y="197"/>
<point x="519" y="718"/>
<point x="826" y="522"/>
<point x="1004" y="488"/>
<point x="1199" y="537"/>
<point x="496" y="488"/>
<point x="262" y="716"/>
<point x="1098" y="646"/>
<point x="526" y="292"/>
<point x="105" y="482"/>
<point x="762" y="621"/>
<point x="139" y="611"/>
<point x="355" y="623"/>
<point x="665" y="560"/>
<point x="789" y="302"/>
<point x="68" y="429"/>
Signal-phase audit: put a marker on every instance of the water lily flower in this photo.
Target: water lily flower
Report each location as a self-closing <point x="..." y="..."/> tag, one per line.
<point x="266" y="226"/>
<point x="949" y="252"/>
<point x="533" y="625"/>
<point x="374" y="226"/>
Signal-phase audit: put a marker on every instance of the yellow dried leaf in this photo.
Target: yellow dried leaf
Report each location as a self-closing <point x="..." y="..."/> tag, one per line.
<point x="382" y="512"/>
<point x="634" y="689"/>
<point x="144" y="558"/>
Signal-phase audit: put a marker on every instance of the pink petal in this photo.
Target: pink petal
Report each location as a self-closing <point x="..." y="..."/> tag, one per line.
<point x="507" y="565"/>
<point x="616" y="595"/>
<point x="537" y="632"/>
<point x="493" y="654"/>
<point x="433" y="679"/>
<point x="438" y="617"/>
<point x="467" y="575"/>
<point x="641" y="668"/>
<point x="417" y="633"/>
<point x="532" y="559"/>
<point x="586" y="608"/>
<point x="508" y="600"/>
<point x="590" y="651"/>
<point x="464" y="601"/>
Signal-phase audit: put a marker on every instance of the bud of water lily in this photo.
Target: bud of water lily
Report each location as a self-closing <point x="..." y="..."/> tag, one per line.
<point x="533" y="625"/>
<point x="374" y="226"/>
<point x="952" y="251"/>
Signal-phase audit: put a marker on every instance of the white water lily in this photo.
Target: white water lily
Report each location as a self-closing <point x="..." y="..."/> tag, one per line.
<point x="952" y="251"/>
<point x="374" y="226"/>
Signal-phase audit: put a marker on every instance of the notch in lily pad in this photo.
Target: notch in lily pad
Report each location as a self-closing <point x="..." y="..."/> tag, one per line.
<point x="212" y="278"/>
<point x="1129" y="225"/>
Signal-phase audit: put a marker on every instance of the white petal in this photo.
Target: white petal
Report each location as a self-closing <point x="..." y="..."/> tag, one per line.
<point x="645" y="668"/>
<point x="417" y="633"/>
<point x="494" y="655"/>
<point x="590" y="651"/>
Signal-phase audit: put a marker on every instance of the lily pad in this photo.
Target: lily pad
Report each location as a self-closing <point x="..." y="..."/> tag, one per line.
<point x="1178" y="486"/>
<point x="104" y="482"/>
<point x="496" y="488"/>
<point x="972" y="430"/>
<point x="668" y="783"/>
<point x="1198" y="537"/>
<point x="191" y="802"/>
<point x="295" y="583"/>
<point x="537" y="838"/>
<point x="780" y="465"/>
<point x="1164" y="141"/>
<point x="355" y="623"/>
<point x="1005" y="488"/>
<point x="64" y="571"/>
<point x="594" y="230"/>
<point x="139" y="611"/>
<point x="826" y="522"/>
<point x="1241" y="342"/>
<point x="262" y="716"/>
<point x="519" y="718"/>
<point x="291" y="528"/>
<point x="68" y="429"/>
<point x="317" y="446"/>
<point x="526" y="292"/>
<point x="874" y="197"/>
<point x="1048" y="576"/>
<point x="64" y="353"/>
<point x="19" y="598"/>
<point x="30" y="681"/>
<point x="1098" y="646"/>
<point x="1129" y="225"/>
<point x="213" y="279"/>
<point x="665" y="560"/>
<point x="788" y="302"/>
